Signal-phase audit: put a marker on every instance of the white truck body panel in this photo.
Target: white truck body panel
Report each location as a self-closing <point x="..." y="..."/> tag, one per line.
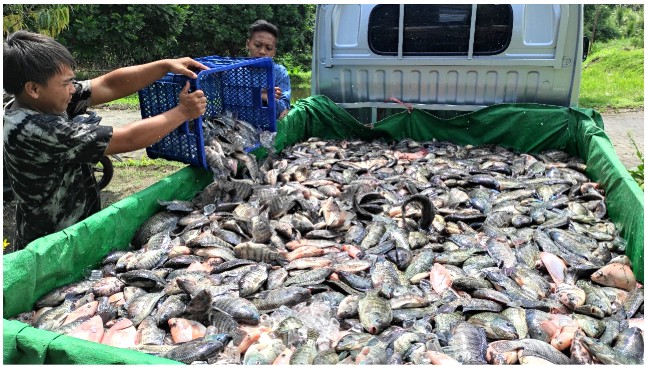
<point x="540" y="64"/>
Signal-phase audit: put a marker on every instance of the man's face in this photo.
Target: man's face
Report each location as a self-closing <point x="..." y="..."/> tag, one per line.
<point x="262" y="44"/>
<point x="54" y="96"/>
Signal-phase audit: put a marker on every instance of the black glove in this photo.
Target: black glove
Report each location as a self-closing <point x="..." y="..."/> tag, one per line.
<point x="88" y="118"/>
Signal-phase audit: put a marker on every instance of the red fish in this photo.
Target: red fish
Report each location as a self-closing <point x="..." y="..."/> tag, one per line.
<point x="88" y="309"/>
<point x="183" y="330"/>
<point x="253" y="334"/>
<point x="121" y="335"/>
<point x="91" y="330"/>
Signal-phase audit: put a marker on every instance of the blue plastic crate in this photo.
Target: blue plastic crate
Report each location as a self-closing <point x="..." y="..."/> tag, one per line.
<point x="230" y="85"/>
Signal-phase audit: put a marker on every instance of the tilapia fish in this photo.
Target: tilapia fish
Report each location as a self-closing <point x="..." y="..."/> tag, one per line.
<point x="356" y="252"/>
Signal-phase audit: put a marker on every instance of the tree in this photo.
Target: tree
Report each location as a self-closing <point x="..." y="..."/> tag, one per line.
<point x="110" y="36"/>
<point x="603" y="22"/>
<point x="223" y="30"/>
<point x="296" y="24"/>
<point x="49" y="20"/>
<point x="219" y="29"/>
<point x="594" y="24"/>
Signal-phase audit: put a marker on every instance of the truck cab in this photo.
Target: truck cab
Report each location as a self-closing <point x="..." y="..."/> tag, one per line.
<point x="370" y="58"/>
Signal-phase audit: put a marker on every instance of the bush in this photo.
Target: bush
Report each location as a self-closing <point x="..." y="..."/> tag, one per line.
<point x="85" y="74"/>
<point x="637" y="172"/>
<point x="300" y="78"/>
<point x="637" y="40"/>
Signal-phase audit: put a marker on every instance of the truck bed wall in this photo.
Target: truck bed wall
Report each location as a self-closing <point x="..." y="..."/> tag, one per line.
<point x="542" y="63"/>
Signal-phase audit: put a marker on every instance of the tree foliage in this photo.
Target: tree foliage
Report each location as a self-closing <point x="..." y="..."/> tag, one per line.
<point x="223" y="30"/>
<point x="109" y="36"/>
<point x="50" y="20"/>
<point x="614" y="21"/>
<point x="219" y="29"/>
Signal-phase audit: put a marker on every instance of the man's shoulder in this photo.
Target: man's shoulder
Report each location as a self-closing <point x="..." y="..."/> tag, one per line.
<point x="25" y="115"/>
<point x="18" y="115"/>
<point x="280" y="72"/>
<point x="279" y="67"/>
<point x="22" y="123"/>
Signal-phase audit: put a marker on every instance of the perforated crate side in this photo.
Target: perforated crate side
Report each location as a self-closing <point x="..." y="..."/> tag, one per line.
<point x="230" y="85"/>
<point x="238" y="90"/>
<point x="185" y="143"/>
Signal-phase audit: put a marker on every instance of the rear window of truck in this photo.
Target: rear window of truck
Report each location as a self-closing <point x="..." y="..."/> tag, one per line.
<point x="440" y="29"/>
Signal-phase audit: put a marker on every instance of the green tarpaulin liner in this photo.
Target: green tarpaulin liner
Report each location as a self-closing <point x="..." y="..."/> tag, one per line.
<point x="63" y="257"/>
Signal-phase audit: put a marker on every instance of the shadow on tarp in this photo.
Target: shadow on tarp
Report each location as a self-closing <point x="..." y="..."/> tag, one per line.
<point x="65" y="256"/>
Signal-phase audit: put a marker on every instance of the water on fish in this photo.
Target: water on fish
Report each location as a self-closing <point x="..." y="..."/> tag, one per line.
<point x="354" y="252"/>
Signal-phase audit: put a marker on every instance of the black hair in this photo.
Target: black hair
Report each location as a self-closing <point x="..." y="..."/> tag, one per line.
<point x="262" y="25"/>
<point x="32" y="57"/>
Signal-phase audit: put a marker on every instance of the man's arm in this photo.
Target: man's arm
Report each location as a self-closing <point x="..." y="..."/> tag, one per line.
<point x="143" y="133"/>
<point x="128" y="80"/>
<point x="283" y="99"/>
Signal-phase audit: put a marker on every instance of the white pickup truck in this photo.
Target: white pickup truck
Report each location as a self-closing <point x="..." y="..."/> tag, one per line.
<point x="447" y="57"/>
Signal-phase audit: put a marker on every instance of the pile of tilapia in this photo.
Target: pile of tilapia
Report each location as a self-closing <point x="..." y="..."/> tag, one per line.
<point x="227" y="141"/>
<point x="354" y="252"/>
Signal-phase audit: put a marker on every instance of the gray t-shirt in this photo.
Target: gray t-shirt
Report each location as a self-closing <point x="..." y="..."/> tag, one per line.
<point x="48" y="159"/>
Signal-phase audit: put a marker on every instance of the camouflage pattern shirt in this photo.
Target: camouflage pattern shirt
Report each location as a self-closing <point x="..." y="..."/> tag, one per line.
<point x="48" y="159"/>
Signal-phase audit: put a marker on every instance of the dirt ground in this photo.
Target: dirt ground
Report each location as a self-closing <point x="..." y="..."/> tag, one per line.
<point x="123" y="185"/>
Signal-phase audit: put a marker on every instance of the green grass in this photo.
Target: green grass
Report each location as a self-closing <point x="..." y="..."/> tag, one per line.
<point x="637" y="172"/>
<point x="145" y="161"/>
<point x="613" y="77"/>
<point x="129" y="102"/>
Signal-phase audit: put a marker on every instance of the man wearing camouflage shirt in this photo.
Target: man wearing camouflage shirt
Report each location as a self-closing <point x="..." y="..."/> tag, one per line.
<point x="47" y="155"/>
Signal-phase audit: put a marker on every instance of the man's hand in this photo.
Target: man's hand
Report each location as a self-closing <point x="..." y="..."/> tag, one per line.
<point x="191" y="105"/>
<point x="185" y="66"/>
<point x="278" y="92"/>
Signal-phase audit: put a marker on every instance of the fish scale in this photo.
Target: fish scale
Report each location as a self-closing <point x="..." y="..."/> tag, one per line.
<point x="258" y="252"/>
<point x="468" y="344"/>
<point x="315" y="276"/>
<point x="541" y="349"/>
<point x="196" y="350"/>
<point x="155" y="224"/>
<point x="384" y="273"/>
<point x="373" y="236"/>
<point x="284" y="296"/>
<point x="239" y="308"/>
<point x="139" y="308"/>
<point x="375" y="313"/>
<point x="500" y="250"/>
<point x="172" y="306"/>
<point x="420" y="263"/>
<point x="147" y="260"/>
<point x="142" y="278"/>
<point x="148" y="332"/>
<point x="252" y="280"/>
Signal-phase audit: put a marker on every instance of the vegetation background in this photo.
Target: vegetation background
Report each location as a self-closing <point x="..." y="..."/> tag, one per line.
<point x="104" y="37"/>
